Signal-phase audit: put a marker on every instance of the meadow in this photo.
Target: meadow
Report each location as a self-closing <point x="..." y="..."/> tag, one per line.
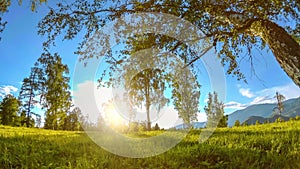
<point x="273" y="146"/>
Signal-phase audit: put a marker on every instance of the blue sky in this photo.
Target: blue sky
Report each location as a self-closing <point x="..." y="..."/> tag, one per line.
<point x="21" y="46"/>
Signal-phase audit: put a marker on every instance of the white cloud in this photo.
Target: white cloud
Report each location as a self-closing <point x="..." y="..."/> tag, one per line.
<point x="7" y="89"/>
<point x="289" y="91"/>
<point x="235" y="105"/>
<point x="246" y="92"/>
<point x="90" y="99"/>
<point x="206" y="100"/>
<point x="265" y="96"/>
<point x="201" y="117"/>
<point x="262" y="100"/>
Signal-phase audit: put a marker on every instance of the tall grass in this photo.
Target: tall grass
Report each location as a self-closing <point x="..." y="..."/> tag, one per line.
<point x="262" y="146"/>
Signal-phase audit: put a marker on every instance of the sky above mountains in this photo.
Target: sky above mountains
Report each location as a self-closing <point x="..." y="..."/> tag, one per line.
<point x="21" y="46"/>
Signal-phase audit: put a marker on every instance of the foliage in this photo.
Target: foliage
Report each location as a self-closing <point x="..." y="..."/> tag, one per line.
<point x="156" y="127"/>
<point x="257" y="122"/>
<point x="280" y="98"/>
<point x="147" y="88"/>
<point x="237" y="123"/>
<point x="215" y="112"/>
<point x="135" y="127"/>
<point x="3" y="8"/>
<point x="31" y="92"/>
<point x="278" y="120"/>
<point x="56" y="97"/>
<point x="235" y="28"/>
<point x="148" y="72"/>
<point x="4" y="5"/>
<point x="144" y="76"/>
<point x="244" y="124"/>
<point x="223" y="121"/>
<point x="23" y="121"/>
<point x="72" y="121"/>
<point x="9" y="108"/>
<point x="263" y="146"/>
<point x="48" y="86"/>
<point x="186" y="95"/>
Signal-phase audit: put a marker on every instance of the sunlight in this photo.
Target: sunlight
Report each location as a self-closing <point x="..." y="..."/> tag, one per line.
<point x="112" y="117"/>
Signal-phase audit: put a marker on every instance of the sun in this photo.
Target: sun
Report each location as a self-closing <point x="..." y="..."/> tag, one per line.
<point x="112" y="117"/>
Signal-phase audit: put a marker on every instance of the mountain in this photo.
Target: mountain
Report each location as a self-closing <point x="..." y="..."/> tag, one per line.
<point x="259" y="111"/>
<point x="196" y="125"/>
<point x="252" y="120"/>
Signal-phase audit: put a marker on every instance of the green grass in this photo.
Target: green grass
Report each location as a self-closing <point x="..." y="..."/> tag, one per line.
<point x="264" y="146"/>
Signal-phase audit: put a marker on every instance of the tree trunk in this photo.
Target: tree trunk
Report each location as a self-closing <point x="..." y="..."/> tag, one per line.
<point x="148" y="117"/>
<point x="29" y="106"/>
<point x="285" y="49"/>
<point x="148" y="106"/>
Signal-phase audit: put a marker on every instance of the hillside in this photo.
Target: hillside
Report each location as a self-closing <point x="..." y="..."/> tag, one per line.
<point x="252" y="119"/>
<point x="291" y="109"/>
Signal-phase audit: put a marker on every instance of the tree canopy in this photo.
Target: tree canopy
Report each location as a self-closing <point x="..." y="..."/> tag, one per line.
<point x="215" y="112"/>
<point x="186" y="95"/>
<point x="31" y="91"/>
<point x="56" y="97"/>
<point x="9" y="108"/>
<point x="279" y="98"/>
<point x="234" y="28"/>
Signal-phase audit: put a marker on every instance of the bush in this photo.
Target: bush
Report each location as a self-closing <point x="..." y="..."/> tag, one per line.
<point x="156" y="127"/>
<point x="237" y="123"/>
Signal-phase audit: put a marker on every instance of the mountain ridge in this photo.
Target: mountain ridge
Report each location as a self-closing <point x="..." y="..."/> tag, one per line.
<point x="291" y="109"/>
<point x="253" y="119"/>
<point x="261" y="112"/>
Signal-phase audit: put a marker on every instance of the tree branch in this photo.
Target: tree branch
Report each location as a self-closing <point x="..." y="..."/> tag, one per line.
<point x="198" y="57"/>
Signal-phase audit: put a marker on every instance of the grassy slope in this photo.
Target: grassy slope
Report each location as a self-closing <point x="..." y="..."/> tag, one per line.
<point x="263" y="146"/>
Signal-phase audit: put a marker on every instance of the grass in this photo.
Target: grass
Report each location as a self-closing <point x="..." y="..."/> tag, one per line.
<point x="263" y="146"/>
